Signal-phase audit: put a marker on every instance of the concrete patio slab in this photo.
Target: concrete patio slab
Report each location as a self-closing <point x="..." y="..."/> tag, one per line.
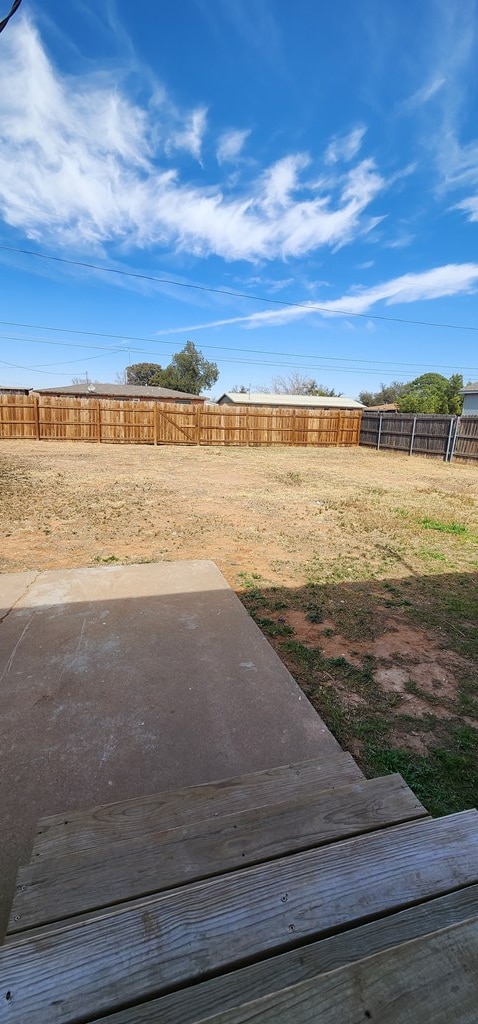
<point x="12" y="587"/>
<point x="119" y="681"/>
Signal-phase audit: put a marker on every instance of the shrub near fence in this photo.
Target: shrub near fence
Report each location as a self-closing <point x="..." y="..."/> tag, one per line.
<point x="128" y="422"/>
<point x="421" y="434"/>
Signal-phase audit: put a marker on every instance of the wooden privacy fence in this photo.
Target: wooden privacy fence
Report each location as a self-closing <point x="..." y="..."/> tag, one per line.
<point x="446" y="436"/>
<point x="129" y="422"/>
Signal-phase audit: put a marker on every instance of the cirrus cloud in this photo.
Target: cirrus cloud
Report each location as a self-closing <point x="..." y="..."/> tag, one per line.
<point x="437" y="283"/>
<point x="231" y="144"/>
<point x="83" y="164"/>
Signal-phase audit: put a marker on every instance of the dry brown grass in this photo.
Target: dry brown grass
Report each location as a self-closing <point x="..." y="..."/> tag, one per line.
<point x="360" y="567"/>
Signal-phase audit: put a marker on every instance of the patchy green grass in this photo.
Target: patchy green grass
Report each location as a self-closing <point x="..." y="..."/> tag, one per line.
<point x="271" y="627"/>
<point x="249" y="580"/>
<point x="435" y="524"/>
<point x="429" y="736"/>
<point x="445" y="780"/>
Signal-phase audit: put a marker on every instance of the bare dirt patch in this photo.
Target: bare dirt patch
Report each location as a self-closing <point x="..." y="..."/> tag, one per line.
<point x="347" y="558"/>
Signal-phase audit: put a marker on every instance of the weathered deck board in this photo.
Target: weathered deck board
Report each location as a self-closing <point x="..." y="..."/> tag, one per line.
<point x="49" y="891"/>
<point x="128" y="819"/>
<point x="431" y="980"/>
<point x="209" y="927"/>
<point x="229" y="990"/>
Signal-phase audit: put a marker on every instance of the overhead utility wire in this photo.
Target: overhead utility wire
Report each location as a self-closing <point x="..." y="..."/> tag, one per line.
<point x="241" y="295"/>
<point x="247" y="362"/>
<point x="32" y="369"/>
<point x="106" y="350"/>
<point x="211" y="348"/>
<point x="14" y="7"/>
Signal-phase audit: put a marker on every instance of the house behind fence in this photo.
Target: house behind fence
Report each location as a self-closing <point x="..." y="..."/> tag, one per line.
<point x="129" y="392"/>
<point x="470" y="399"/>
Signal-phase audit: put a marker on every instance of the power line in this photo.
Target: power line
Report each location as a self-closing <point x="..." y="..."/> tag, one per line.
<point x="262" y="363"/>
<point x="241" y="295"/>
<point x="213" y="348"/>
<point x="14" y="7"/>
<point x="31" y="369"/>
<point x="246" y="362"/>
<point x="70" y="362"/>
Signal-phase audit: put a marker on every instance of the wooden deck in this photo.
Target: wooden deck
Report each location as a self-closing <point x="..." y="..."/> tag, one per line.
<point x="303" y="893"/>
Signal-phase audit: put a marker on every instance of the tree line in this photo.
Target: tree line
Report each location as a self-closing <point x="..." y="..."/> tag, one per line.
<point x="190" y="372"/>
<point x="429" y="393"/>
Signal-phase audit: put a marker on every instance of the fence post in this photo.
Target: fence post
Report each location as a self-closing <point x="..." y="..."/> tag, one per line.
<point x="98" y="427"/>
<point x="448" y="444"/>
<point x="379" y="430"/>
<point x="198" y="424"/>
<point x="414" y="424"/>
<point x="36" y="415"/>
<point x="452" y="450"/>
<point x="155" y="424"/>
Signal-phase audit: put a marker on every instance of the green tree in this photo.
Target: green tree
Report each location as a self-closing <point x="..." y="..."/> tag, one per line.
<point x="188" y="371"/>
<point x="388" y="394"/>
<point x="142" y="373"/>
<point x="433" y="393"/>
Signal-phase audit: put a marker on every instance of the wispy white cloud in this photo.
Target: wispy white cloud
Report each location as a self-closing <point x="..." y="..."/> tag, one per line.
<point x="401" y="242"/>
<point x="440" y="282"/>
<point x="281" y="180"/>
<point x="470" y="207"/>
<point x="230" y="145"/>
<point x="190" y="136"/>
<point x="344" y="147"/>
<point x="425" y="93"/>
<point x="82" y="163"/>
<point x="437" y="283"/>
<point x="449" y="56"/>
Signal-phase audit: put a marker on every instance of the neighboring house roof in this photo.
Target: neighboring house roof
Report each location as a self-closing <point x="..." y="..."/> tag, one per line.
<point x="118" y="391"/>
<point x="388" y="407"/>
<point x="5" y="389"/>
<point x="470" y="389"/>
<point x="308" y="401"/>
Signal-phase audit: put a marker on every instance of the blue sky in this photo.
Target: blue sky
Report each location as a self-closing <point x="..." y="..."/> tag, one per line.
<point x="322" y="155"/>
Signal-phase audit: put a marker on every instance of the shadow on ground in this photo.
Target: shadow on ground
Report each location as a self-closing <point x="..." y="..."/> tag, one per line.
<point x="391" y="667"/>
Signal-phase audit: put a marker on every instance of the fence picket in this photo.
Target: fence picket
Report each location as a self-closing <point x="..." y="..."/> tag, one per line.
<point x="448" y="437"/>
<point x="120" y="421"/>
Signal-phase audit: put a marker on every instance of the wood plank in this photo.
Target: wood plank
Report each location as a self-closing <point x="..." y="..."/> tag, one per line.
<point x="127" y="819"/>
<point x="431" y="980"/>
<point x="201" y="1001"/>
<point x="207" y="928"/>
<point x="49" y="891"/>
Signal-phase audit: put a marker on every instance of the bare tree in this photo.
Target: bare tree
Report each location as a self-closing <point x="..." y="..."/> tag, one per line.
<point x="84" y="380"/>
<point x="121" y="377"/>
<point x="296" y="383"/>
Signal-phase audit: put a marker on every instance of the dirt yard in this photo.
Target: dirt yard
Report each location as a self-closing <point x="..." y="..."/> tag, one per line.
<point x="360" y="567"/>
